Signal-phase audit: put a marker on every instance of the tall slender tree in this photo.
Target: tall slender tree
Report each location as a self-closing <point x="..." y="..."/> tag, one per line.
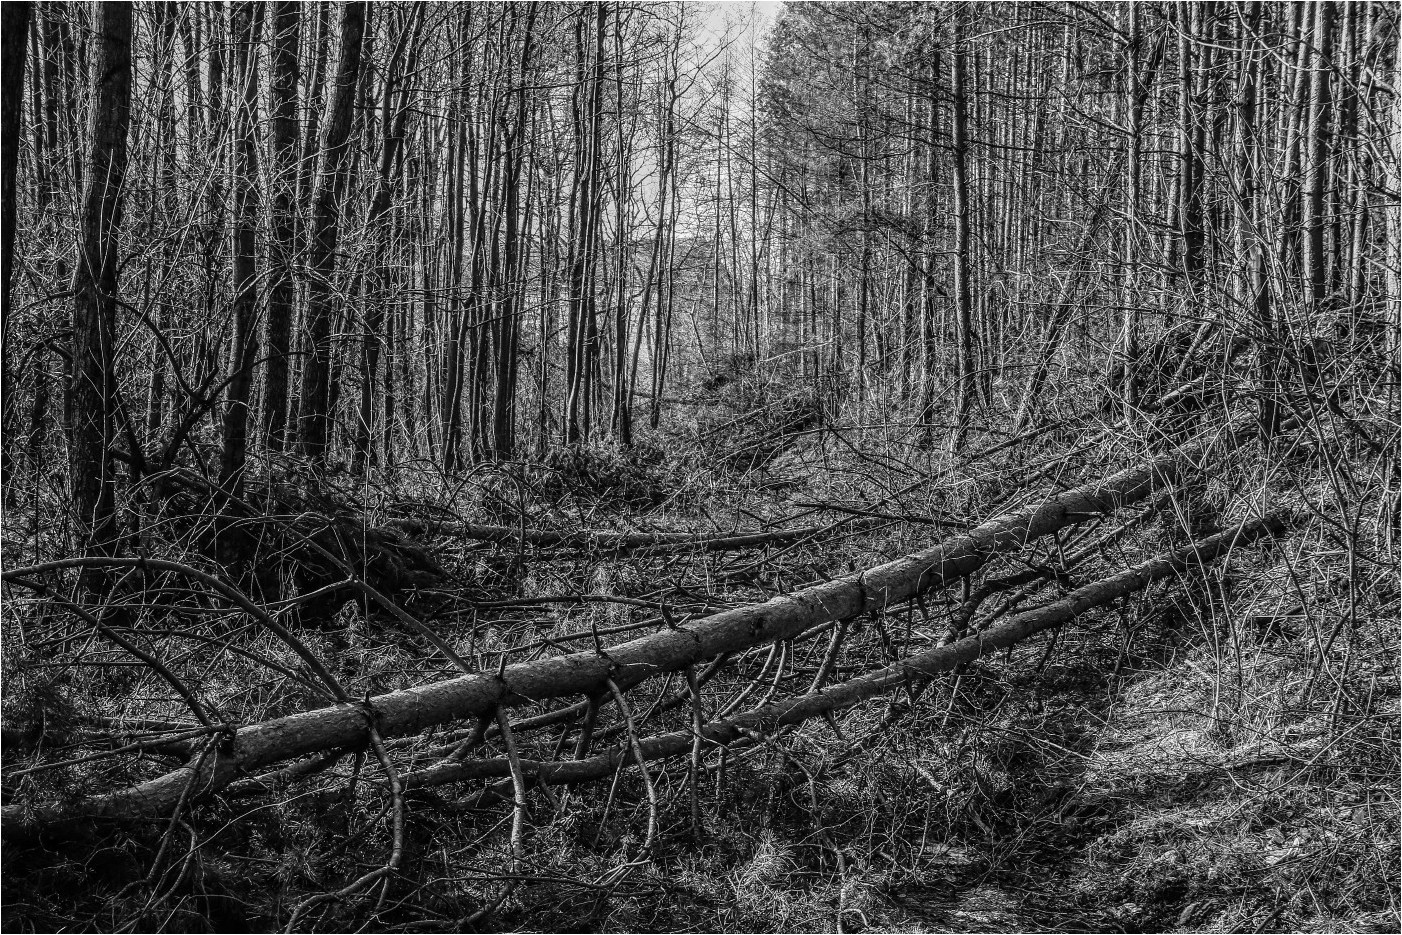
<point x="15" y="25"/>
<point x="963" y="302"/>
<point x="247" y="24"/>
<point x="93" y="376"/>
<point x="284" y="69"/>
<point x="333" y="180"/>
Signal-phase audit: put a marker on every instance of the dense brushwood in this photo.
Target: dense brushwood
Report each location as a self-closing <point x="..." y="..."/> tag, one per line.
<point x="627" y="664"/>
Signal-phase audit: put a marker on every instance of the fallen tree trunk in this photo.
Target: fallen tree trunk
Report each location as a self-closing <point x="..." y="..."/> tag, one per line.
<point x="399" y="713"/>
<point x="854" y="691"/>
<point x="605" y="541"/>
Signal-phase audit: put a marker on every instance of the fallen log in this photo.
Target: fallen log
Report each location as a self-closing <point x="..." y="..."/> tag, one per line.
<point x="408" y="711"/>
<point x="854" y="691"/>
<point x="607" y="541"/>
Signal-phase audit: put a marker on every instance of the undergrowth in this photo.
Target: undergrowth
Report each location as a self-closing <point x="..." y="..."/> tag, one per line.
<point x="1217" y="753"/>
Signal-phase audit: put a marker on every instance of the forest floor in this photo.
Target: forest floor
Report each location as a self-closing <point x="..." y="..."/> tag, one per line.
<point x="1084" y="786"/>
<point x="1218" y="753"/>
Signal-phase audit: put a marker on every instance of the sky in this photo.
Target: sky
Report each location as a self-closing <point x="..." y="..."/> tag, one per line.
<point x="734" y="13"/>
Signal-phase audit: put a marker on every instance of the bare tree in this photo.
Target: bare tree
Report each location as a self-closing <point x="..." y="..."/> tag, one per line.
<point x="285" y="69"/>
<point x="16" y="35"/>
<point x="92" y="379"/>
<point x="247" y="197"/>
<point x="963" y="302"/>
<point x="333" y="179"/>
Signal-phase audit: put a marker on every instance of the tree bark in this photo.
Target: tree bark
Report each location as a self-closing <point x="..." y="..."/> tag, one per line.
<point x="282" y="177"/>
<point x="509" y="325"/>
<point x="963" y="303"/>
<point x="1316" y="156"/>
<point x="394" y="114"/>
<point x="15" y="25"/>
<point x="247" y="199"/>
<point x="92" y="379"/>
<point x="314" y="413"/>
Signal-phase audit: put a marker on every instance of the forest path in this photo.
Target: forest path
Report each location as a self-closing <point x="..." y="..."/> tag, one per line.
<point x="1139" y="797"/>
<point x="1022" y="861"/>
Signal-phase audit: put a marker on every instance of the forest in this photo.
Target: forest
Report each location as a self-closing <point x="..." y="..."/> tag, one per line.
<point x="719" y="467"/>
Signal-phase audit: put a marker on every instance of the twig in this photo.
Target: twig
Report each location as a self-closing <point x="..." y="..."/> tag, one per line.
<point x="642" y="766"/>
<point x="694" y="764"/>
<point x="518" y="820"/>
<point x="396" y="854"/>
<point x="91" y="620"/>
<point x="227" y="590"/>
<point x="139" y="745"/>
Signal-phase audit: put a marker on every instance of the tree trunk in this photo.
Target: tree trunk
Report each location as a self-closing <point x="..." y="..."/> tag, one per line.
<point x="503" y="401"/>
<point x="1316" y="157"/>
<point x="963" y="303"/>
<point x="16" y="34"/>
<point x="285" y="70"/>
<point x="247" y="26"/>
<point x="1190" y="136"/>
<point x="1255" y="290"/>
<point x="314" y="414"/>
<point x="92" y="380"/>
<point x="1125" y="374"/>
<point x="394" y="114"/>
<point x="916" y="668"/>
